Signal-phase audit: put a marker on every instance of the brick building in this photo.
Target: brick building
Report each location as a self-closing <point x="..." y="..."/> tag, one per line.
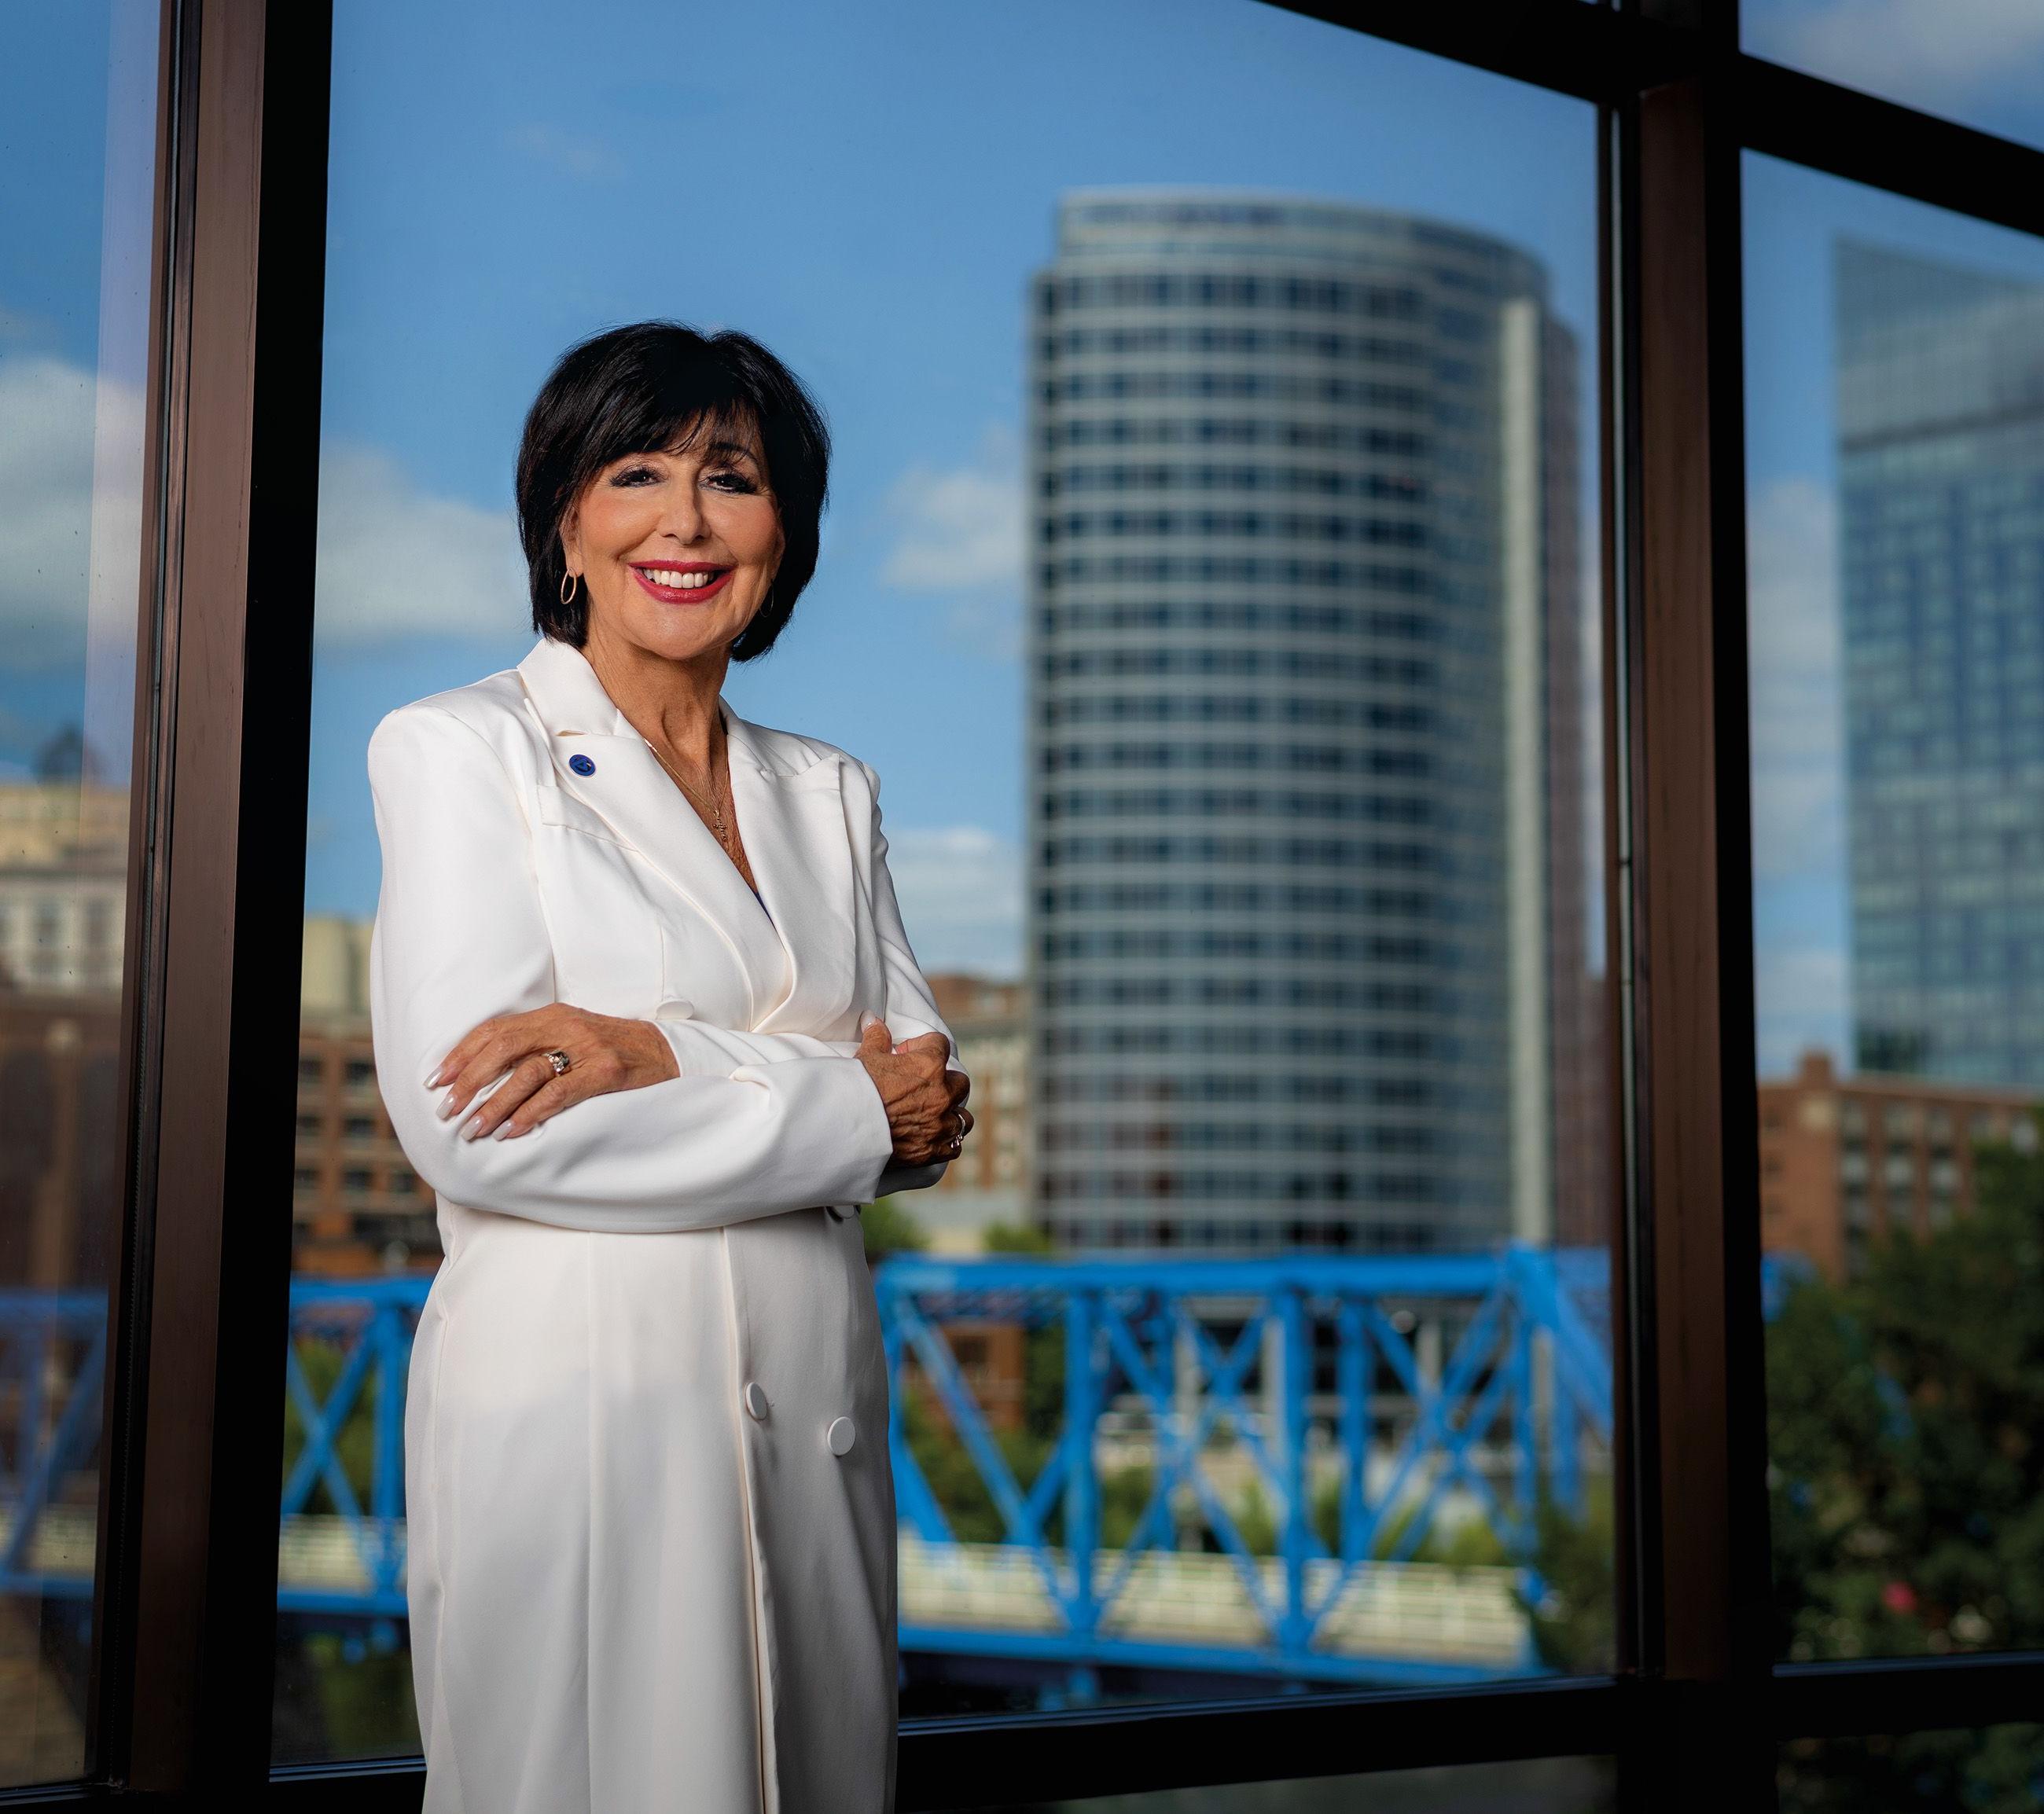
<point x="360" y="1208"/>
<point x="357" y="1207"/>
<point x="1844" y="1160"/>
<point x="64" y="879"/>
<point x="63" y="868"/>
<point x="988" y="1181"/>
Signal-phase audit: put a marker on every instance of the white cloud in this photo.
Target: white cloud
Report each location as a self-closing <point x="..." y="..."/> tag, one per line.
<point x="1939" y="56"/>
<point x="960" y="527"/>
<point x="50" y="412"/>
<point x="589" y="160"/>
<point x="958" y="531"/>
<point x="1798" y="1006"/>
<point x="960" y="888"/>
<point x="1793" y="623"/>
<point x="395" y="560"/>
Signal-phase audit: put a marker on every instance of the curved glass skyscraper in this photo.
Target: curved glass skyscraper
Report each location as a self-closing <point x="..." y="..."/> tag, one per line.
<point x="1305" y="901"/>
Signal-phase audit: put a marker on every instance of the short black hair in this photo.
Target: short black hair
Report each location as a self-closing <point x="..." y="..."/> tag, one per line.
<point x="653" y="387"/>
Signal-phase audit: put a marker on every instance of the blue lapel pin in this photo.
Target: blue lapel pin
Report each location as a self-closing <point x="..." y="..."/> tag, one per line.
<point x="581" y="765"/>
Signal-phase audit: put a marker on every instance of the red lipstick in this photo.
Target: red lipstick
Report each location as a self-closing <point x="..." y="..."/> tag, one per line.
<point x="681" y="595"/>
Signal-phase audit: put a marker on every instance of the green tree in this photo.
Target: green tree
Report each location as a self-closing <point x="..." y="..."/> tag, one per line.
<point x="1906" y="1432"/>
<point x="1124" y="1494"/>
<point x="1044" y="1347"/>
<point x="954" y="1479"/>
<point x="355" y="1446"/>
<point x="1575" y="1616"/>
<point x="1997" y="1770"/>
<point x="1906" y="1415"/>
<point x="1015" y="1237"/>
<point x="888" y="1226"/>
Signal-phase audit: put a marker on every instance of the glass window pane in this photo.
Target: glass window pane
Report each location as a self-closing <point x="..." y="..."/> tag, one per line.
<point x="78" y="89"/>
<point x="1540" y="1785"/>
<point x="1979" y="62"/>
<point x="1896" y="557"/>
<point x="1208" y="577"/>
<point x="1991" y="1770"/>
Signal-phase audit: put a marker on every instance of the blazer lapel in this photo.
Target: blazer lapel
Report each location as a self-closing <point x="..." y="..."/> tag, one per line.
<point x="792" y="826"/>
<point x="792" y="822"/>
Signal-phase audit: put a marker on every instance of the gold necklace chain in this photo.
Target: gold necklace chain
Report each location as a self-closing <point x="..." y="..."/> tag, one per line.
<point x="715" y="810"/>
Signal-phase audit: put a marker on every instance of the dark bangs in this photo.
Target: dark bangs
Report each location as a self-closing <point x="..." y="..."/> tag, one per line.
<point x="660" y="387"/>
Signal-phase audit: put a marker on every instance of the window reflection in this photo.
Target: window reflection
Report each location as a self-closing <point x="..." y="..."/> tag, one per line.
<point x="79" y="85"/>
<point x="1542" y="1785"/>
<point x="1245" y="816"/>
<point x="1897" y="548"/>
<point x="1974" y="61"/>
<point x="1991" y="1769"/>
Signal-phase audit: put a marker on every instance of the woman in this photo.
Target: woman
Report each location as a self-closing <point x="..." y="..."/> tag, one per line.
<point x="646" y="1021"/>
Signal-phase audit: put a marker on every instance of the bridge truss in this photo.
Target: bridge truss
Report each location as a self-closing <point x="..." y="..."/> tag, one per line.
<point x="1301" y="1431"/>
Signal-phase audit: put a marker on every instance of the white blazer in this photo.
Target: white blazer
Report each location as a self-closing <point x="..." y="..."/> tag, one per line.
<point x="652" y="1527"/>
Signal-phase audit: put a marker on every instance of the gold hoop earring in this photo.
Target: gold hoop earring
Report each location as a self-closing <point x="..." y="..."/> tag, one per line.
<point x="569" y="582"/>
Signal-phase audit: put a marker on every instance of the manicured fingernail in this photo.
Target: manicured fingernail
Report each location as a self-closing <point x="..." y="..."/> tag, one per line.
<point x="472" y="1129"/>
<point x="504" y="1132"/>
<point x="446" y="1105"/>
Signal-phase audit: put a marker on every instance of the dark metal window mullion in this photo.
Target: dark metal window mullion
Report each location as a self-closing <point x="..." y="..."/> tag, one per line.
<point x="184" y="1674"/>
<point x="1701" y="1579"/>
<point x="108" y="1706"/>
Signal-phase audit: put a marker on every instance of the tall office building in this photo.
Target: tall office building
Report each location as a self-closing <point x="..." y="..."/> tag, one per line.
<point x="1306" y="881"/>
<point x="1940" y="475"/>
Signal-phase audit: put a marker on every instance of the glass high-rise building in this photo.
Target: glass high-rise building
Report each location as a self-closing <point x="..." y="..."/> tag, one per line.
<point x="1941" y="459"/>
<point x="1306" y="896"/>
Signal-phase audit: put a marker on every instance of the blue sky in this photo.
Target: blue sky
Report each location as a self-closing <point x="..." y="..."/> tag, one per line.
<point x="867" y="190"/>
<point x="1979" y="61"/>
<point x="1792" y="216"/>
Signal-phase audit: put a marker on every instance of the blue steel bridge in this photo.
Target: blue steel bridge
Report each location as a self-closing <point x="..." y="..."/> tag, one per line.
<point x="1238" y="1466"/>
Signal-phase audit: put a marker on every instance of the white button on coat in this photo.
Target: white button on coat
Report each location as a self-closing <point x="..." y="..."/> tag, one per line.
<point x="755" y="1399"/>
<point x="841" y="1435"/>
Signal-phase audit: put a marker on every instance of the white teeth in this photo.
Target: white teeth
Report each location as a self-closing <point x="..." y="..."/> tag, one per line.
<point x="693" y="579"/>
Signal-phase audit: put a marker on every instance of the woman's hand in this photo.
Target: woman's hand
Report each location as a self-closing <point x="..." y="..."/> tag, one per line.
<point x="603" y="1052"/>
<point x="925" y="1102"/>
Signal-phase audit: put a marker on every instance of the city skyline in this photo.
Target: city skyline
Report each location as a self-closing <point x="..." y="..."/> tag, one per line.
<point x="902" y="306"/>
<point x="1305" y="723"/>
<point x="915" y="353"/>
<point x="1941" y="428"/>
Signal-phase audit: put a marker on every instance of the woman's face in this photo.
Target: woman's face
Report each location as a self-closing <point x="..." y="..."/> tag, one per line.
<point x="677" y="549"/>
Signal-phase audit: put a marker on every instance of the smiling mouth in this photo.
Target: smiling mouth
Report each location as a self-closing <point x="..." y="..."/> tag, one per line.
<point x="682" y="585"/>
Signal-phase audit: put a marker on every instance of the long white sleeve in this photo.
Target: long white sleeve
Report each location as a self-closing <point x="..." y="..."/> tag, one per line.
<point x="912" y="1007"/>
<point x="461" y="935"/>
<point x="703" y="1049"/>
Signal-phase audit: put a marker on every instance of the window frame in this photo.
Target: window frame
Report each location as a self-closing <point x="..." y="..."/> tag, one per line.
<point x="185" y="1593"/>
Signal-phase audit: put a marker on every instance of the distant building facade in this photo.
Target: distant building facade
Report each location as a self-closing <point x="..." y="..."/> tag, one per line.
<point x="1941" y="457"/>
<point x="60" y="1149"/>
<point x="64" y="879"/>
<point x="360" y="1207"/>
<point x="357" y="1205"/>
<point x="64" y="867"/>
<point x="989" y="1182"/>
<point x="1306" y="883"/>
<point x="1845" y="1161"/>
